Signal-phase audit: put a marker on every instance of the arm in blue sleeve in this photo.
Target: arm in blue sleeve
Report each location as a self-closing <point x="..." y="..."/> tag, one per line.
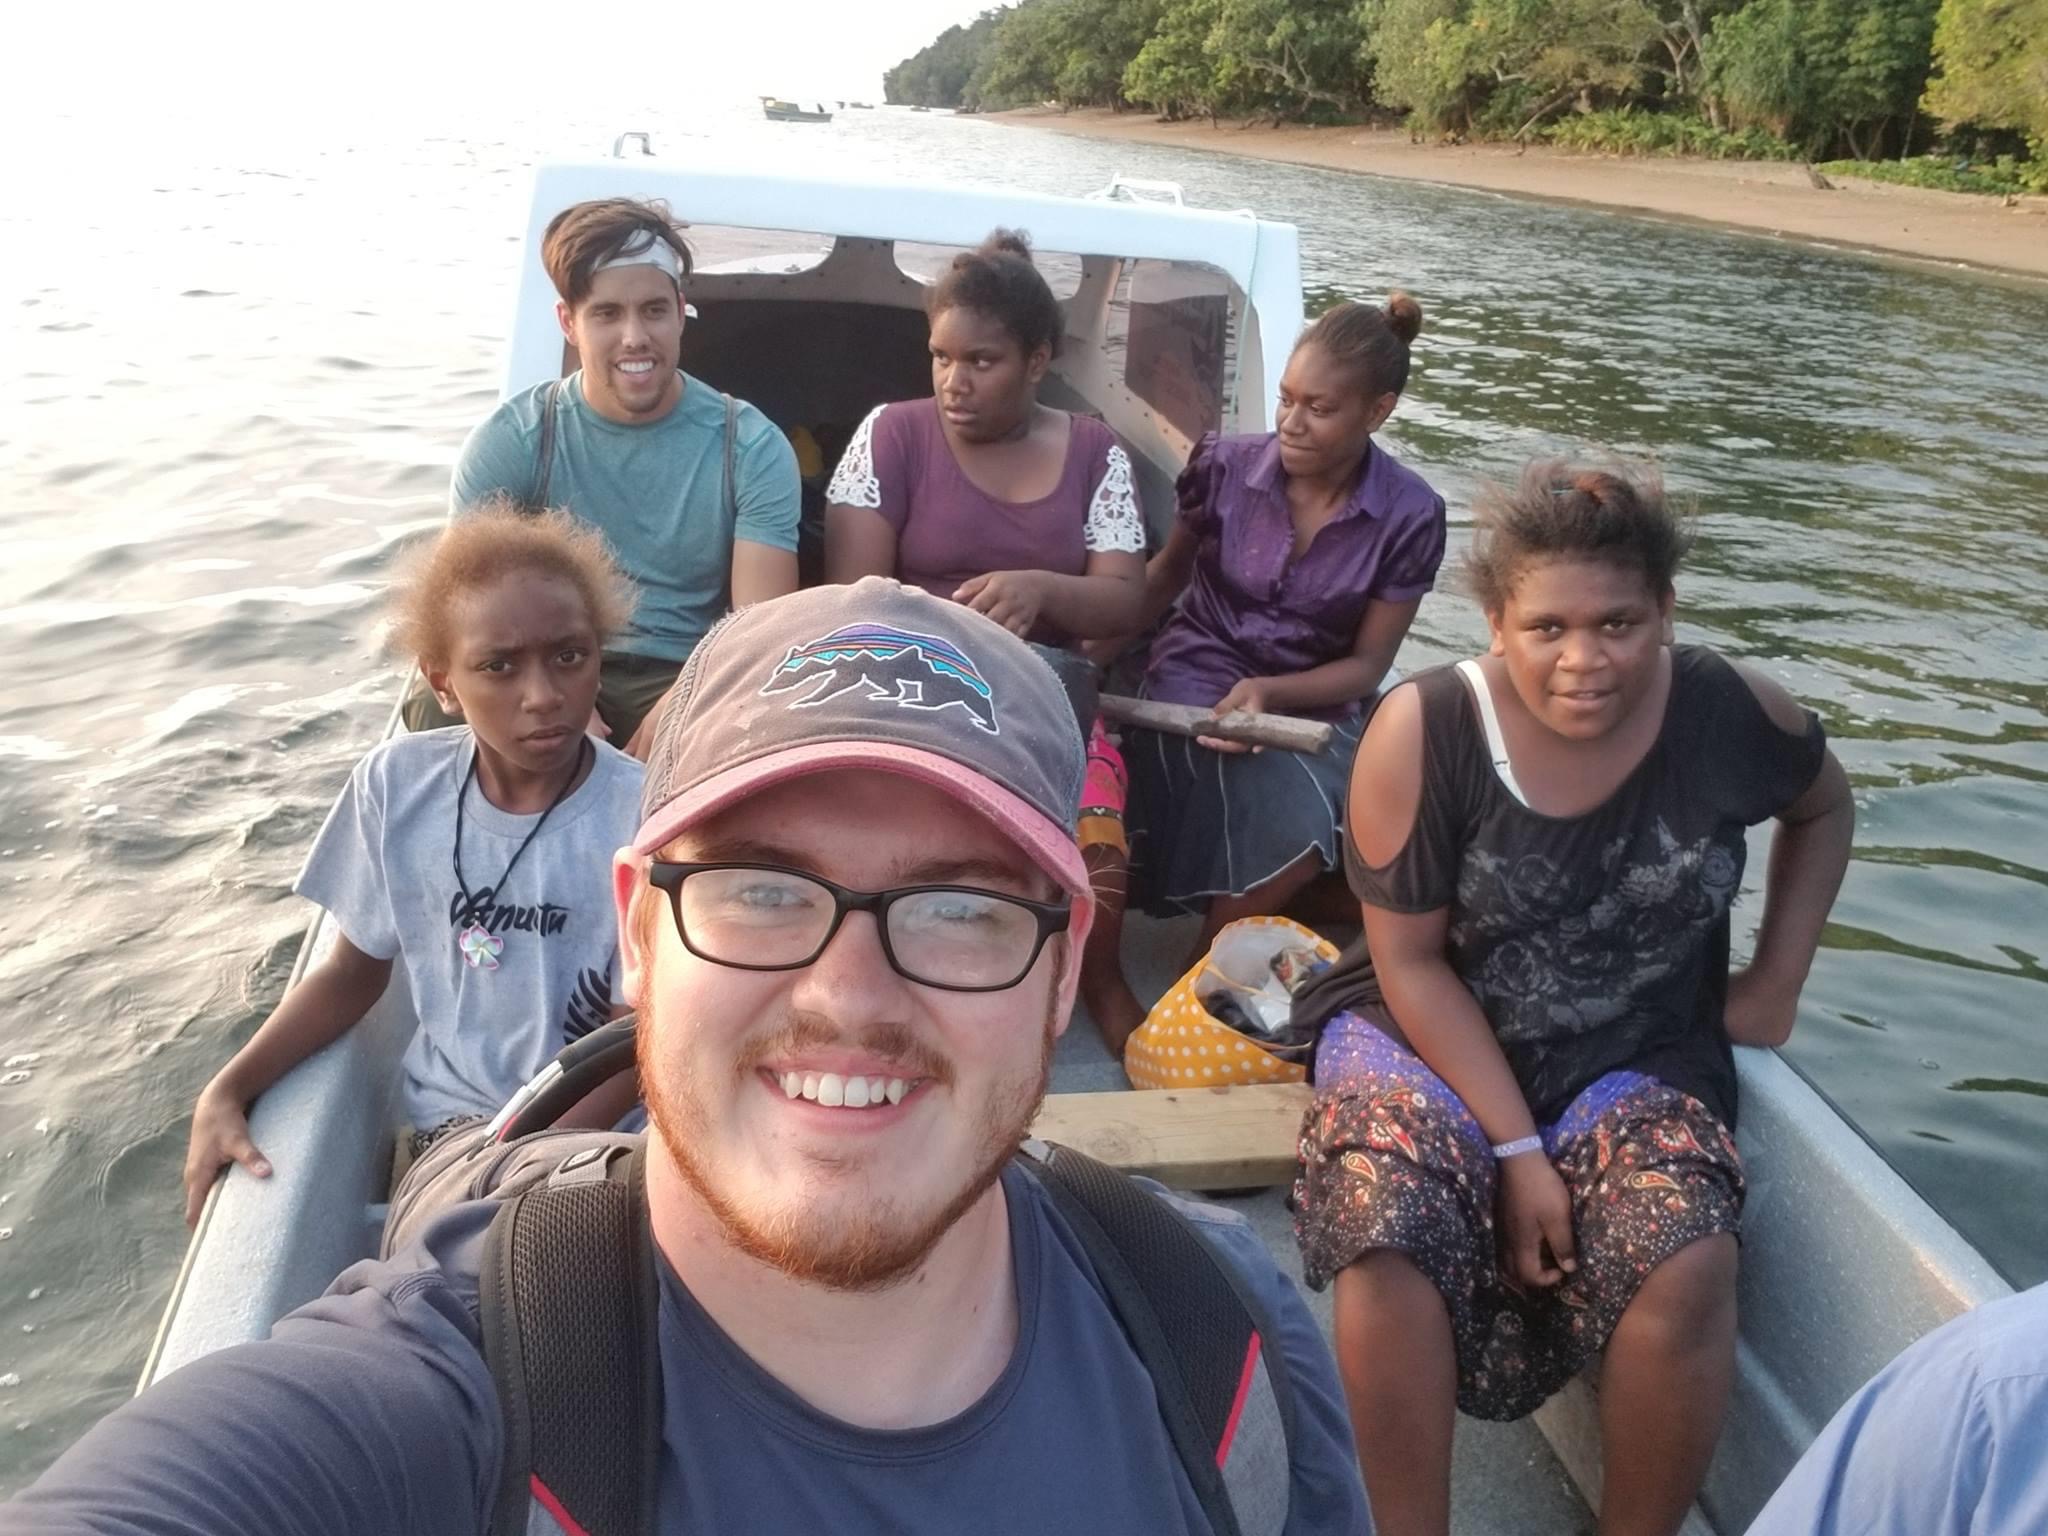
<point x="768" y="491"/>
<point x="369" y="1410"/>
<point x="1906" y="1456"/>
<point x="499" y="456"/>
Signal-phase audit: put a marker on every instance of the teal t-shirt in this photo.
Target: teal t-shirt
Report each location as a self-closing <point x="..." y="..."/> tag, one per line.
<point x="656" y="492"/>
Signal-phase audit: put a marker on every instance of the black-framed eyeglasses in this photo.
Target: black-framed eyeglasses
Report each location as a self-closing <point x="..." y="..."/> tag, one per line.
<point x="765" y="917"/>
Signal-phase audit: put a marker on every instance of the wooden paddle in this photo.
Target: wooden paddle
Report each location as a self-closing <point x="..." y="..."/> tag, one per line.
<point x="1288" y="731"/>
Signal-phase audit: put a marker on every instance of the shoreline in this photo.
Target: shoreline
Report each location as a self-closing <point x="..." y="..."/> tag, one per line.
<point x="1771" y="198"/>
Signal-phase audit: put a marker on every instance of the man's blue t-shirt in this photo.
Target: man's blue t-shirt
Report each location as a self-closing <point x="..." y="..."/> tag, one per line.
<point x="372" y="1410"/>
<point x="656" y="491"/>
<point x="1950" y="1439"/>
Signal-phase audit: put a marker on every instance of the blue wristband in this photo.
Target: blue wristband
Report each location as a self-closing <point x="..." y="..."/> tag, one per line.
<point x="1517" y="1147"/>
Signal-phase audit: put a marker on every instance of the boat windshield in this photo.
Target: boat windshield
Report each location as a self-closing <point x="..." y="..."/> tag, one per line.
<point x="1165" y="331"/>
<point x="928" y="263"/>
<point x="727" y="247"/>
<point x="1172" y="335"/>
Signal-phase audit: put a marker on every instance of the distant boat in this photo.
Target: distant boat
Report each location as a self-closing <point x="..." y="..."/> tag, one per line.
<point x="790" y="112"/>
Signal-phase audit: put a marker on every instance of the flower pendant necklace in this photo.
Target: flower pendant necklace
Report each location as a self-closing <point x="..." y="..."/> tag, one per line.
<point x="479" y="946"/>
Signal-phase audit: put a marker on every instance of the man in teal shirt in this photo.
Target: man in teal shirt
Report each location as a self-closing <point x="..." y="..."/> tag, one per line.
<point x="698" y="495"/>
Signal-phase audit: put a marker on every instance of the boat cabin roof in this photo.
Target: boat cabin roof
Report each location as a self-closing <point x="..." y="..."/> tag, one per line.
<point x="1258" y="261"/>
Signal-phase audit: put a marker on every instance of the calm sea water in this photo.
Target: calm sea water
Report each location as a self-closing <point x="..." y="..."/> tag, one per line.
<point x="238" y="375"/>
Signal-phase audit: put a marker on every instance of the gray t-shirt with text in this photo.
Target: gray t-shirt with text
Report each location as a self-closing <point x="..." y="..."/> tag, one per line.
<point x="494" y="1012"/>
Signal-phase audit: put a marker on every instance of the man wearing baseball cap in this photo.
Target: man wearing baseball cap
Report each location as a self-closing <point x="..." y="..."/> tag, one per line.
<point x="851" y="921"/>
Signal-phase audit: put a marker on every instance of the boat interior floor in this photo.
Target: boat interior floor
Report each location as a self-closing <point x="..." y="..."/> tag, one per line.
<point x="1505" y="1480"/>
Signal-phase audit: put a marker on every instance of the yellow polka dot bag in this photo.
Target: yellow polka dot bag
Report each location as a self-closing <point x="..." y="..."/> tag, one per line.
<point x="1212" y="1026"/>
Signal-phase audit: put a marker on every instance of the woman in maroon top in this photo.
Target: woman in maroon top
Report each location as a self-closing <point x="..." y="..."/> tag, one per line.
<point x="1521" y="1149"/>
<point x="1295" y="566"/>
<point x="985" y="495"/>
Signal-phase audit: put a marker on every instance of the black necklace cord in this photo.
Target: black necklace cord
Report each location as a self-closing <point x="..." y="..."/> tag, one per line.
<point x="469" y="900"/>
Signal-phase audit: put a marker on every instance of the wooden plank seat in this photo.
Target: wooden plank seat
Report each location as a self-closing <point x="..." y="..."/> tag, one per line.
<point x="1187" y="1138"/>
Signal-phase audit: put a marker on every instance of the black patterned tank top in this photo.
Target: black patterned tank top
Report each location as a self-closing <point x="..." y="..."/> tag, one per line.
<point x="1599" y="942"/>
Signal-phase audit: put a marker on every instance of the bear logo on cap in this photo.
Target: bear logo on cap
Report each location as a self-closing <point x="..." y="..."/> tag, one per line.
<point x="894" y="666"/>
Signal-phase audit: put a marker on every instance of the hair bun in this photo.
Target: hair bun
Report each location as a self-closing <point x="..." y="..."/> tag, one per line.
<point x="1007" y="242"/>
<point x="1404" y="316"/>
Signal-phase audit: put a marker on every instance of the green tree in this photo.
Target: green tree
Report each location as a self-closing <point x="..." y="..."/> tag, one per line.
<point x="1023" y="58"/>
<point x="1074" y="52"/>
<point x="1175" y="72"/>
<point x="1102" y="39"/>
<point x="1681" y="43"/>
<point x="1419" y="62"/>
<point x="1991" y="67"/>
<point x="1292" y="58"/>
<point x="937" y="74"/>
<point x="1823" y="72"/>
<point x="1510" y="63"/>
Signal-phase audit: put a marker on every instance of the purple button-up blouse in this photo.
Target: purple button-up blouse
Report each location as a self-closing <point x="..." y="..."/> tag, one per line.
<point x="1251" y="609"/>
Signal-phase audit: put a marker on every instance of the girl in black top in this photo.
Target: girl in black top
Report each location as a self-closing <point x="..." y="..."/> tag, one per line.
<point x="1520" y="1151"/>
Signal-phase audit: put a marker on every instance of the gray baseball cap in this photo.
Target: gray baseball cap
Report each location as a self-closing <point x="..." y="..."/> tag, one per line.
<point x="881" y="676"/>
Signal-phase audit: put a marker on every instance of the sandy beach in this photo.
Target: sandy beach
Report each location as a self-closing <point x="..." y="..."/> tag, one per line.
<point x="1770" y="197"/>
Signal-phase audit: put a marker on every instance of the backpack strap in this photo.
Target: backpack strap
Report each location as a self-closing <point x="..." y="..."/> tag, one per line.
<point x="571" y="1339"/>
<point x="1224" y="1397"/>
<point x="544" y="452"/>
<point x="731" y="498"/>
<point x="570" y="1336"/>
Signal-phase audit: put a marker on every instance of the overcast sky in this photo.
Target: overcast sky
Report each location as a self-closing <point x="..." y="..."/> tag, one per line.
<point x="257" y="62"/>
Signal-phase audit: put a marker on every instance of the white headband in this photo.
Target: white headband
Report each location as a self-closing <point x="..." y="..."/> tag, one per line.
<point x="657" y="252"/>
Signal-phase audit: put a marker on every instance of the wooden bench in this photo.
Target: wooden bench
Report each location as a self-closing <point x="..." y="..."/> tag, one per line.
<point x="1186" y="1138"/>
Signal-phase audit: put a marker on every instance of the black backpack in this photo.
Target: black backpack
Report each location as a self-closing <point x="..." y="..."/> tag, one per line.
<point x="570" y="1333"/>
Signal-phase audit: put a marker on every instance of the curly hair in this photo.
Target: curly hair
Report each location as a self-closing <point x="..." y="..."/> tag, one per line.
<point x="1558" y="511"/>
<point x="999" y="279"/>
<point x="491" y="541"/>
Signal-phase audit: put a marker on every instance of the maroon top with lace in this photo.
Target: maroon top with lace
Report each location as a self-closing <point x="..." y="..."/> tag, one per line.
<point x="948" y="529"/>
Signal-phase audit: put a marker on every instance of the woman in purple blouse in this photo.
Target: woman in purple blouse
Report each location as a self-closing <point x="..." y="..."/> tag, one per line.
<point x="987" y="496"/>
<point x="1297" y="560"/>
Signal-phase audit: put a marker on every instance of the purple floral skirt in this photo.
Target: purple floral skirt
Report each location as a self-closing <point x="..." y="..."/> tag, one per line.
<point x="1390" y="1158"/>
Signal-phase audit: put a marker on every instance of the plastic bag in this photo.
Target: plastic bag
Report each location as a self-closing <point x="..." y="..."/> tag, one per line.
<point x="1227" y="1020"/>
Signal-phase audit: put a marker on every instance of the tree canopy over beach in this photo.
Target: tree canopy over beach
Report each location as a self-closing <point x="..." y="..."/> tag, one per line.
<point x="1866" y="79"/>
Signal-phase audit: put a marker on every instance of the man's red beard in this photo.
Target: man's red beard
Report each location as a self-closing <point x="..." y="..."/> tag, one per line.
<point x="871" y="1253"/>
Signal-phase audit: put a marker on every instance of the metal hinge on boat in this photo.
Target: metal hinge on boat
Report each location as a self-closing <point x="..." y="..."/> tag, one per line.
<point x="1137" y="187"/>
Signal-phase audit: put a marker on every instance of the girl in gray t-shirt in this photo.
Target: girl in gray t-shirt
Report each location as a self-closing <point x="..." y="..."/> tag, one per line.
<point x="477" y="857"/>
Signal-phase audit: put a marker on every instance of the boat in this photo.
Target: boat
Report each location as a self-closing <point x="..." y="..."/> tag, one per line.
<point x="789" y="112"/>
<point x="1178" y="320"/>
